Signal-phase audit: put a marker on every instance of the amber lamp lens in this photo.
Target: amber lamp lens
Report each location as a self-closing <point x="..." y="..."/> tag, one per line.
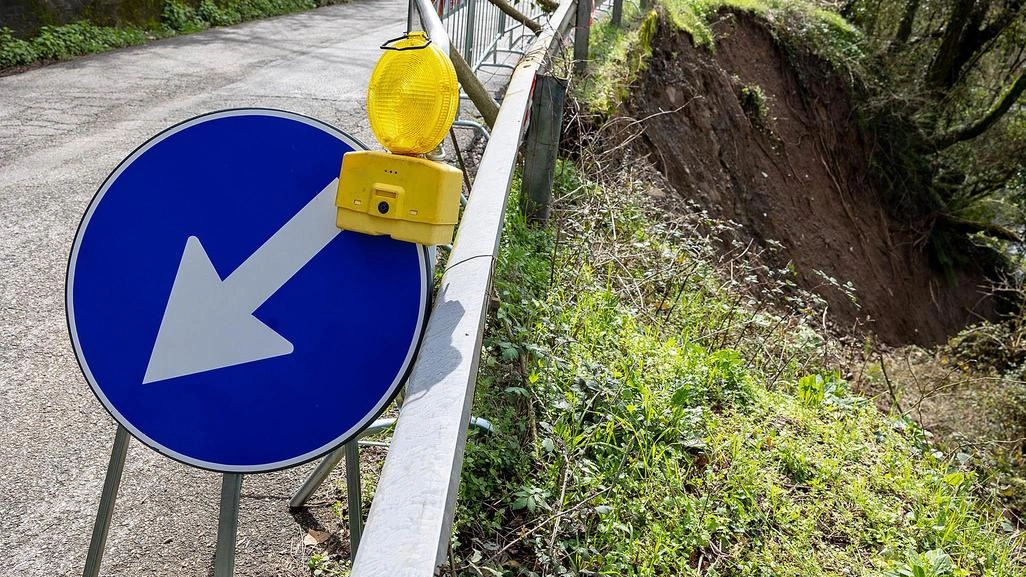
<point x="413" y="96"/>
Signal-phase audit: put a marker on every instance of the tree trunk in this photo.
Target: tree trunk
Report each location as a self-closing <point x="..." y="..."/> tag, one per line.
<point x="908" y="18"/>
<point x="974" y="37"/>
<point x="966" y="34"/>
<point x="942" y="72"/>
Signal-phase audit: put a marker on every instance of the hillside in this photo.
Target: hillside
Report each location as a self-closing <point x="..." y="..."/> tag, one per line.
<point x="773" y="143"/>
<point x="665" y="366"/>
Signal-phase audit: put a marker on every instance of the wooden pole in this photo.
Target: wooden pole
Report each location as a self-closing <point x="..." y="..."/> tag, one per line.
<point x="476" y="91"/>
<point x="542" y="147"/>
<point x="582" y="33"/>
<point x="518" y="15"/>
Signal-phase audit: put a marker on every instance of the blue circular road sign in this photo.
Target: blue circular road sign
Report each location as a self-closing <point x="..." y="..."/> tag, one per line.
<point x="219" y="314"/>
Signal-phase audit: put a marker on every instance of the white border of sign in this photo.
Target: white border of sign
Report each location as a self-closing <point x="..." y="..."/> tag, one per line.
<point x="70" y="305"/>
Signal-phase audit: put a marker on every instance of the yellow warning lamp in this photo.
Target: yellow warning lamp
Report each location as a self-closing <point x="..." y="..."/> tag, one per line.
<point x="411" y="101"/>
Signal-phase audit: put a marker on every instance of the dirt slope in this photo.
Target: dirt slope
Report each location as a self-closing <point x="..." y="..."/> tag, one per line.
<point x="797" y="173"/>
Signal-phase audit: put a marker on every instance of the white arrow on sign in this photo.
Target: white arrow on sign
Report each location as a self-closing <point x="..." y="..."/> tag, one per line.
<point x="209" y="324"/>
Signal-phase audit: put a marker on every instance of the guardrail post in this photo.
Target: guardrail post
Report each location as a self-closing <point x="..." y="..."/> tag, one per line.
<point x="582" y="33"/>
<point x="542" y="146"/>
<point x="617" y="16"/>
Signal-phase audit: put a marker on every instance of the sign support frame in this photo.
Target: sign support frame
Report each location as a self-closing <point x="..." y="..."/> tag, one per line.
<point x="111" y="483"/>
<point x="231" y="496"/>
<point x="227" y="524"/>
<point x="354" y="495"/>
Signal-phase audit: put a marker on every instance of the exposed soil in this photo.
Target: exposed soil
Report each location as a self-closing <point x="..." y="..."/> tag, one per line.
<point x="792" y="167"/>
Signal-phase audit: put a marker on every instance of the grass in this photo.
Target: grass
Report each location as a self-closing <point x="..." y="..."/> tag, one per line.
<point x="970" y="394"/>
<point x="621" y="54"/>
<point x="802" y="22"/>
<point x="79" y="38"/>
<point x="656" y="417"/>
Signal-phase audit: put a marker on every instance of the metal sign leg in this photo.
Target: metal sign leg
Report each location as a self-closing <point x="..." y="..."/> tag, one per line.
<point x="227" y="525"/>
<point x="107" y="498"/>
<point x="353" y="496"/>
<point x="351" y="452"/>
<point x="316" y="478"/>
<point x="320" y="474"/>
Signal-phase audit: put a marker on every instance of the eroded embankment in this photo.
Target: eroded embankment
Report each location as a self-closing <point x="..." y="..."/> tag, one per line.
<point x="767" y="137"/>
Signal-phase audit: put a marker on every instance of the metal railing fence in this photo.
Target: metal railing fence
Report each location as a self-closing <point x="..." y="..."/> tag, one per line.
<point x="481" y="32"/>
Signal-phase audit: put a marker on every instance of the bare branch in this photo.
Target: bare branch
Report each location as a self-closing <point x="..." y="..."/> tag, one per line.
<point x="517" y="15"/>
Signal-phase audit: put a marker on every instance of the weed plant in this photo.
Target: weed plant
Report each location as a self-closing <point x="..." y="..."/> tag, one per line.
<point x="657" y="416"/>
<point x="970" y="396"/>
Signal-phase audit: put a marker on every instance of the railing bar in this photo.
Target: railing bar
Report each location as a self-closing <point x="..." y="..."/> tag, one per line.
<point x="435" y="29"/>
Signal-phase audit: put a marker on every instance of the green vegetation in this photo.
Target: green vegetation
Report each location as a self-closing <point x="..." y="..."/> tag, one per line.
<point x="802" y="21"/>
<point x="620" y="54"/>
<point x="63" y="42"/>
<point x="654" y="417"/>
<point x="753" y="102"/>
<point x="667" y="407"/>
<point x="177" y="17"/>
<point x="942" y="84"/>
<point x="322" y="565"/>
<point x="947" y="113"/>
<point x="971" y="396"/>
<point x="181" y="17"/>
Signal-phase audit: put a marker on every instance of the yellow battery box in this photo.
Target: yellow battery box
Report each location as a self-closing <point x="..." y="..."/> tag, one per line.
<point x="405" y="197"/>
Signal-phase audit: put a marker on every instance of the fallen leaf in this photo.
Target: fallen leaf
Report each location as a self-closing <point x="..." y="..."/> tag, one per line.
<point x="314" y="537"/>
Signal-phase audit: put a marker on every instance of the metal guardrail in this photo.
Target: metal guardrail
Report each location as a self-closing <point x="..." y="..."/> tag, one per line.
<point x="410" y="522"/>
<point x="481" y="32"/>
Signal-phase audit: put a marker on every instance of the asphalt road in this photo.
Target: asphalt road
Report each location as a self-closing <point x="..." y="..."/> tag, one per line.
<point x="63" y="128"/>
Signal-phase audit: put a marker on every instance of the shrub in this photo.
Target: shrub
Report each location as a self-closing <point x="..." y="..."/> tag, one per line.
<point x="14" y="51"/>
<point x="178" y="17"/>
<point x="69" y="40"/>
<point x="218" y="15"/>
